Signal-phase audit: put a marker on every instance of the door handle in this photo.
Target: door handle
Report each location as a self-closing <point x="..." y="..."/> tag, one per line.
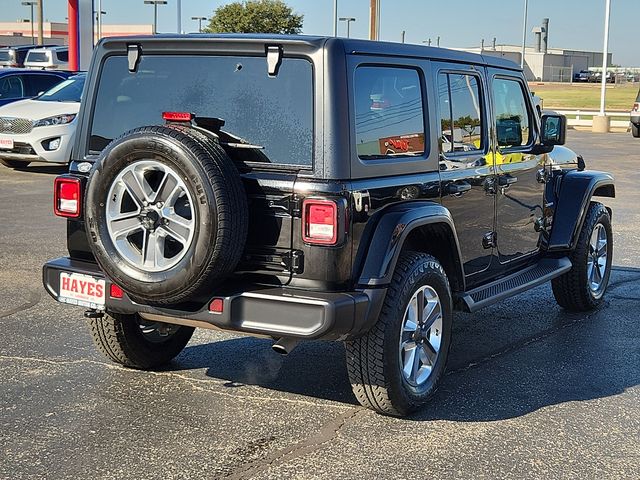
<point x="507" y="180"/>
<point x="458" y="188"/>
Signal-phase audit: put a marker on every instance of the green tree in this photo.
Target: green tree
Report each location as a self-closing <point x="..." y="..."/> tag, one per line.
<point x="255" y="16"/>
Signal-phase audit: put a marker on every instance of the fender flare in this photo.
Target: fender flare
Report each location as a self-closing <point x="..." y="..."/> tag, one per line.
<point x="380" y="254"/>
<point x="576" y="190"/>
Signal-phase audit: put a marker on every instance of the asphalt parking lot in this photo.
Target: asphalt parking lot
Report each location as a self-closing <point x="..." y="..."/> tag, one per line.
<point x="531" y="390"/>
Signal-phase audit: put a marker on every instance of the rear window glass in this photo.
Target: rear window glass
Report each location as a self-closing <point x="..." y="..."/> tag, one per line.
<point x="389" y="118"/>
<point x="63" y="55"/>
<point x="275" y="114"/>
<point x="37" y="57"/>
<point x="5" y="56"/>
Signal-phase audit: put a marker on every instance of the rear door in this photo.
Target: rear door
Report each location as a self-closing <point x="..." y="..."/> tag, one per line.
<point x="268" y="120"/>
<point x="520" y="173"/>
<point x="466" y="163"/>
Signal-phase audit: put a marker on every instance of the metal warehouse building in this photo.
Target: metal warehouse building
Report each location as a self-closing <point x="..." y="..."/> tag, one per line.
<point x="543" y="63"/>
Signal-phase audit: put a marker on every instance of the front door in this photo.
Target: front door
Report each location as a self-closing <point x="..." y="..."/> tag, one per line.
<point x="519" y="172"/>
<point x="466" y="162"/>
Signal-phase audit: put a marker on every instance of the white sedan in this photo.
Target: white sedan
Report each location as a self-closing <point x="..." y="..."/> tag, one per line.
<point x="41" y="129"/>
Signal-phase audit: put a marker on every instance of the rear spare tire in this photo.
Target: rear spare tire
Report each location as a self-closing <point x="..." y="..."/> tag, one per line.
<point x="166" y="213"/>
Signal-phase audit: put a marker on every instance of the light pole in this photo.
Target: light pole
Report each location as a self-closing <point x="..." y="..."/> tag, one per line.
<point x="179" y="17"/>
<point x="155" y="4"/>
<point x="524" y="33"/>
<point x="605" y="54"/>
<point x="601" y="122"/>
<point x="348" y="21"/>
<point x="335" y="18"/>
<point x="31" y="4"/>
<point x="99" y="14"/>
<point x="199" y="19"/>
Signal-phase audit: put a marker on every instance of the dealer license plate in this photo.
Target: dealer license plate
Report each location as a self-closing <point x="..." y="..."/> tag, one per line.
<point x="79" y="289"/>
<point x="6" y="143"/>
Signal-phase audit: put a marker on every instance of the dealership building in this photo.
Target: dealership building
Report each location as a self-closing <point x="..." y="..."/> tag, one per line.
<point x="19" y="33"/>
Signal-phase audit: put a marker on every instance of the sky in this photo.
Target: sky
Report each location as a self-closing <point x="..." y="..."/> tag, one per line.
<point x="574" y="24"/>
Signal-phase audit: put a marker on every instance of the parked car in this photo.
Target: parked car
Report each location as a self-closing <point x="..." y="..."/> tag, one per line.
<point x="583" y="76"/>
<point x="597" y="77"/>
<point x="13" y="56"/>
<point x="48" y="58"/>
<point x="18" y="84"/>
<point x="289" y="186"/>
<point x="41" y="129"/>
<point x="635" y="117"/>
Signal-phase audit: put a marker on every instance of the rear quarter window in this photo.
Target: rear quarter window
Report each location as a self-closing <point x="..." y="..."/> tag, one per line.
<point x="389" y="116"/>
<point x="273" y="113"/>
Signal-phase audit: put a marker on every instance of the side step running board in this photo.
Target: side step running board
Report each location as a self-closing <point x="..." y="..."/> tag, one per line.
<point x="543" y="271"/>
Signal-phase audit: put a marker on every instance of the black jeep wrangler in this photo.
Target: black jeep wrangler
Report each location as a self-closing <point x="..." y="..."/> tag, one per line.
<point x="318" y="188"/>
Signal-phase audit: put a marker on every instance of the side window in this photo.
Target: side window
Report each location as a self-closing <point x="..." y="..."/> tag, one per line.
<point x="461" y="124"/>
<point x="389" y="119"/>
<point x="513" y="122"/>
<point x="41" y="83"/>
<point x="11" y="87"/>
<point x="63" y="55"/>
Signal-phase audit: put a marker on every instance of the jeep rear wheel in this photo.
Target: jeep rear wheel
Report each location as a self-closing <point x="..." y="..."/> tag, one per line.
<point x="167" y="214"/>
<point x="635" y="130"/>
<point x="582" y="288"/>
<point x="137" y="343"/>
<point x="395" y="367"/>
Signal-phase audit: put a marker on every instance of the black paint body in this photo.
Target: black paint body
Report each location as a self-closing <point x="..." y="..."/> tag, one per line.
<point x="388" y="204"/>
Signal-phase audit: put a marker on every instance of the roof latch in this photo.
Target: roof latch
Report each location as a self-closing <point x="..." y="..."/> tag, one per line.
<point x="274" y="59"/>
<point x="133" y="55"/>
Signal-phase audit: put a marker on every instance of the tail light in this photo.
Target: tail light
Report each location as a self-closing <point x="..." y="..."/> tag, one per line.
<point x="177" y="116"/>
<point x="67" y="197"/>
<point x="636" y="107"/>
<point x="319" y="222"/>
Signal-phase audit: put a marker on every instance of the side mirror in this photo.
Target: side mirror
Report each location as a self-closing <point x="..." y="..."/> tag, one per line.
<point x="509" y="132"/>
<point x="553" y="130"/>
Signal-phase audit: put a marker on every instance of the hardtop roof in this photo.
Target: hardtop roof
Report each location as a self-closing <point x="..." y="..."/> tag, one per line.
<point x="349" y="45"/>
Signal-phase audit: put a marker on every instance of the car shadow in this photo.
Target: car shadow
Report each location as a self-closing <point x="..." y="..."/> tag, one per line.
<point x="501" y="365"/>
<point x="44" y="169"/>
<point x="313" y="369"/>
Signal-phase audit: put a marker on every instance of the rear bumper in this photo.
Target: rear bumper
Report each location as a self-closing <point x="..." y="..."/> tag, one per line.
<point x="273" y="311"/>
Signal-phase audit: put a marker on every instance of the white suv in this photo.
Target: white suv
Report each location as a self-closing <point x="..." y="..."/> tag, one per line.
<point x="41" y="129"/>
<point x="48" y="58"/>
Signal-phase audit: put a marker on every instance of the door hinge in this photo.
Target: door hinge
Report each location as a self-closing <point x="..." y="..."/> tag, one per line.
<point x="289" y="203"/>
<point x="294" y="261"/>
<point x="490" y="240"/>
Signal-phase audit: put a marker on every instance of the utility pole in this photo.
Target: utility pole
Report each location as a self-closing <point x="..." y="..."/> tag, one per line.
<point x="31" y="4"/>
<point x="40" y="27"/>
<point x="348" y="21"/>
<point x="199" y="19"/>
<point x="402" y="35"/>
<point x="524" y="33"/>
<point x="374" y="20"/>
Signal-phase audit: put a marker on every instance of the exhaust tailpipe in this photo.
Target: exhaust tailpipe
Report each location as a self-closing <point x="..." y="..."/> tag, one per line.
<point x="285" y="345"/>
